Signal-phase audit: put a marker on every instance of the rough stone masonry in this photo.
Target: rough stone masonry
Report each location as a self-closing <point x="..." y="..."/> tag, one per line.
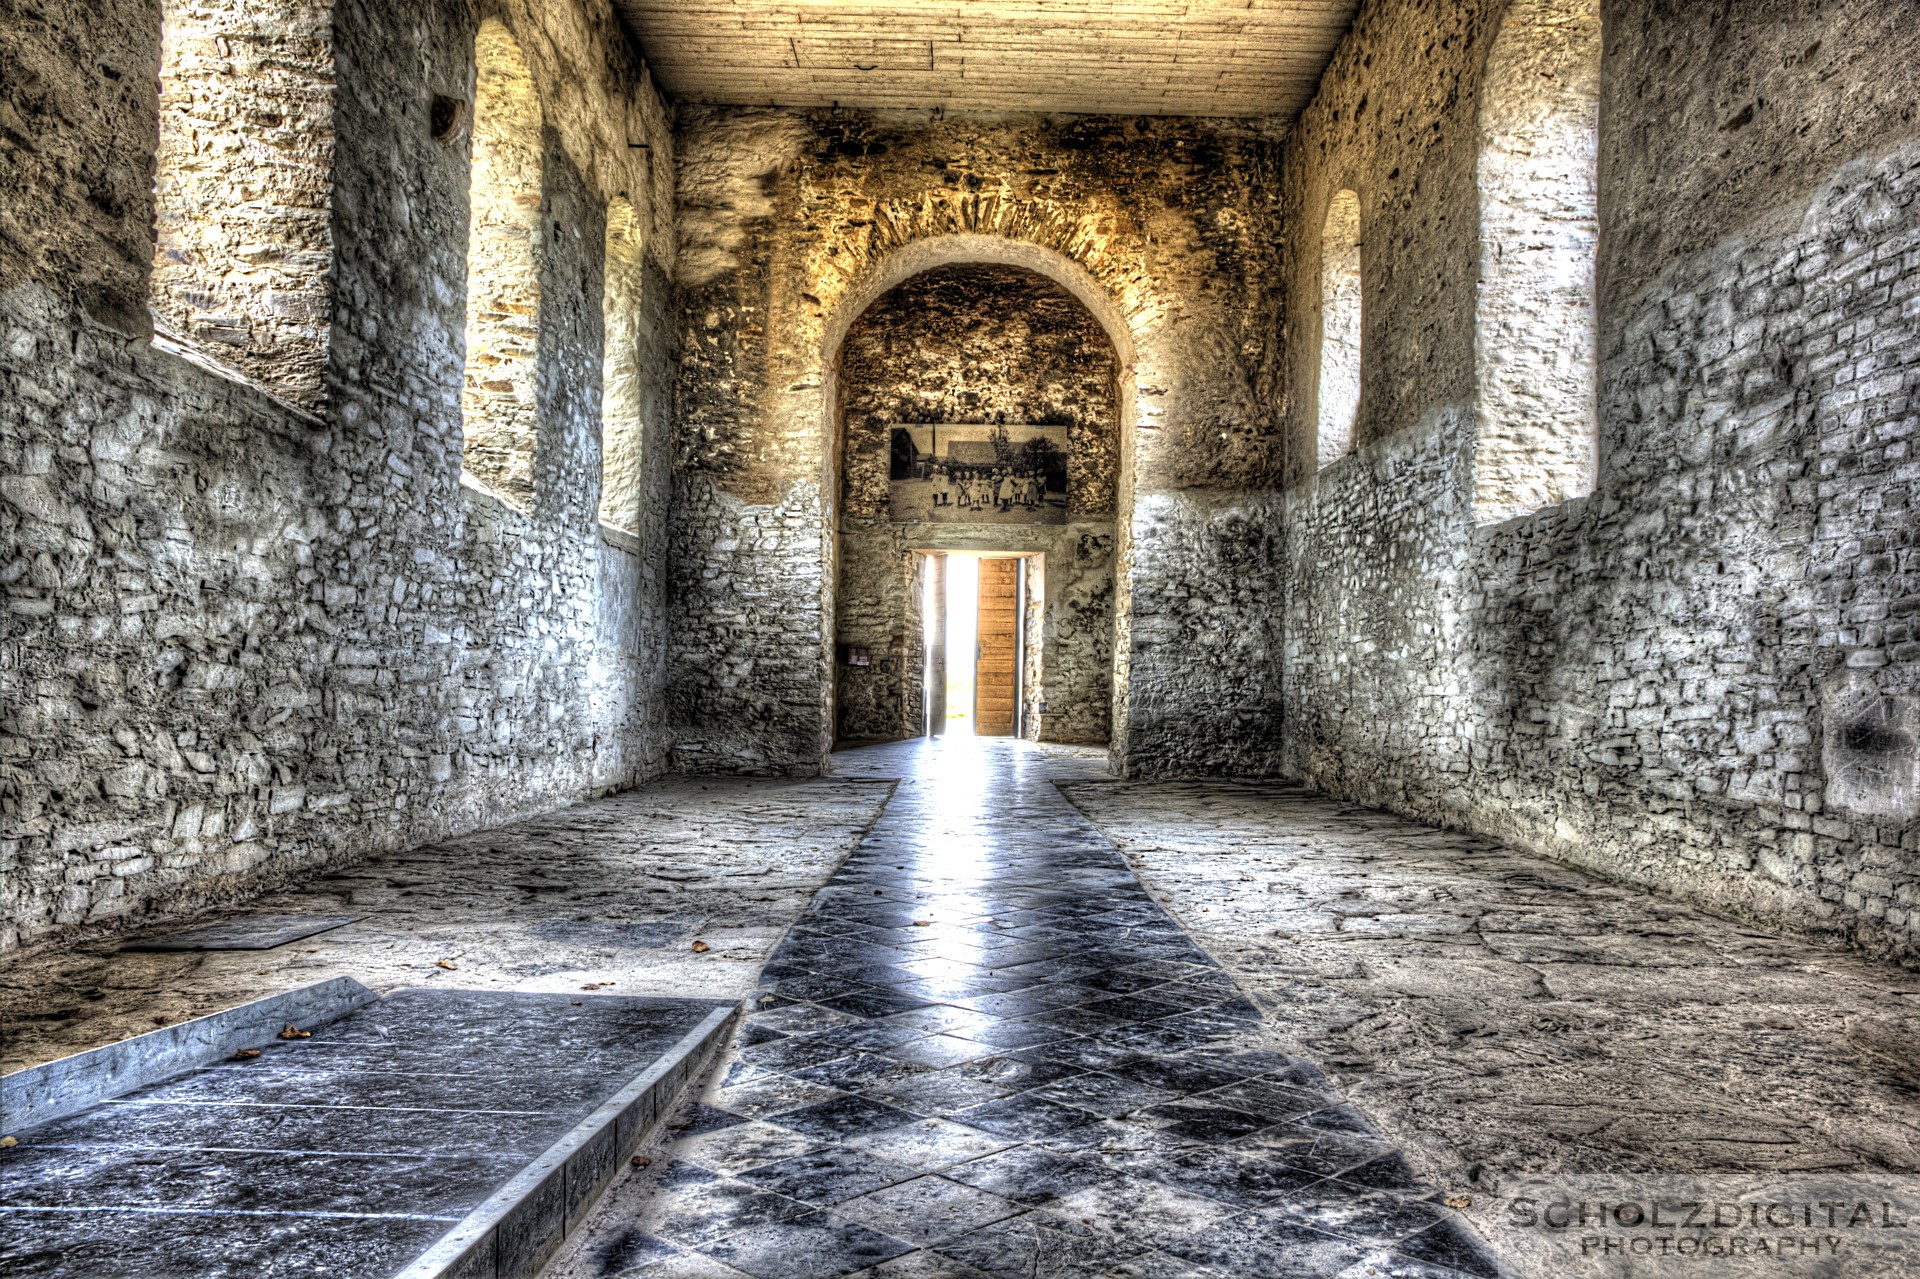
<point x="283" y="592"/>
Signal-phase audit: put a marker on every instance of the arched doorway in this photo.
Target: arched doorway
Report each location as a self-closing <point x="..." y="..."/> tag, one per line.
<point x="980" y="416"/>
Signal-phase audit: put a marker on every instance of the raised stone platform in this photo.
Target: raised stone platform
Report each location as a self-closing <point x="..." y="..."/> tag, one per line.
<point x="447" y="1132"/>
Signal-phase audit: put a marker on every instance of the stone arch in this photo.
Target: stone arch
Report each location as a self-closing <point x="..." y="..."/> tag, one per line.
<point x="1536" y="404"/>
<point x="1124" y="327"/>
<point x="968" y="249"/>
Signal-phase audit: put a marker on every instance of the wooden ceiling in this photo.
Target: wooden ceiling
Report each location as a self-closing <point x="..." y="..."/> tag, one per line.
<point x="1125" y="57"/>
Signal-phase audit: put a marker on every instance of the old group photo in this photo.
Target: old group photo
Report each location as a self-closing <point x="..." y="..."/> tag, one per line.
<point x="998" y="474"/>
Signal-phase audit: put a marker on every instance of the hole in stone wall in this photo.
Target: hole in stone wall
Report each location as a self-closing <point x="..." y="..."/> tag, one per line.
<point x="503" y="280"/>
<point x="447" y="118"/>
<point x="1340" y="282"/>
<point x="1534" y="331"/>
<point x="242" y="186"/>
<point x="622" y="429"/>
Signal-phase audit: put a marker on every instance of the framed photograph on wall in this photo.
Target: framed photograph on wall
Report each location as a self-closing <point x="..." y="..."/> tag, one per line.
<point x="999" y="474"/>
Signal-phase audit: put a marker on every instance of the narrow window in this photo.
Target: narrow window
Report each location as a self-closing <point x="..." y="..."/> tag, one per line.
<point x="242" y="182"/>
<point x="1339" y="327"/>
<point x="622" y="428"/>
<point x="1537" y="426"/>
<point x="503" y="276"/>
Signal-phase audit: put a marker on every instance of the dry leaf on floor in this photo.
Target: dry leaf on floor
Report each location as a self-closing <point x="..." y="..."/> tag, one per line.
<point x="641" y="1161"/>
<point x="294" y="1032"/>
<point x="246" y="1054"/>
<point x="701" y="948"/>
<point x="1458" y="1201"/>
<point x="8" y="1143"/>
<point x="447" y="964"/>
<point x="923" y="923"/>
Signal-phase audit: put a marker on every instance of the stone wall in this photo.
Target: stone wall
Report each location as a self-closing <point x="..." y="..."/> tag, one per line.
<point x="977" y="345"/>
<point x="245" y="640"/>
<point x="794" y="221"/>
<point x="79" y="112"/>
<point x="245" y="158"/>
<point x="1702" y="677"/>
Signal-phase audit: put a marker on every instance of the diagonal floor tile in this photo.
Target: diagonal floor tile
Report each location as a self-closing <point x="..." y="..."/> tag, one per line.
<point x="815" y="1246"/>
<point x="927" y="1209"/>
<point x="828" y="1175"/>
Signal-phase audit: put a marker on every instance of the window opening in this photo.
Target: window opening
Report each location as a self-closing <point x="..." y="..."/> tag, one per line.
<point x="242" y="186"/>
<point x="1537" y="419"/>
<point x="498" y="403"/>
<point x="622" y="428"/>
<point x="1339" y="328"/>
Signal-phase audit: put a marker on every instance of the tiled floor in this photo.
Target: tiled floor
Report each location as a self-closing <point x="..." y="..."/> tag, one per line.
<point x="985" y="1050"/>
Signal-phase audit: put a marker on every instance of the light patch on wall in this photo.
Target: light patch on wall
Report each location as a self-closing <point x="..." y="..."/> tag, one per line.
<point x="242" y="187"/>
<point x="1340" y="282"/>
<point x="503" y="276"/>
<point x="622" y="430"/>
<point x="1534" y="327"/>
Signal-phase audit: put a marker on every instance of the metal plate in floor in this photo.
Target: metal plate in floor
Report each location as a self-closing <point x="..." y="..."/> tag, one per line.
<point x="346" y="1155"/>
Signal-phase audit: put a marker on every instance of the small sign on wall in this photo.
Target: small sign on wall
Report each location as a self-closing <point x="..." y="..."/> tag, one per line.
<point x="856" y="655"/>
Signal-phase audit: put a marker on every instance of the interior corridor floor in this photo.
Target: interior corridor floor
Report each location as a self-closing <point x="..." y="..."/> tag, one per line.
<point x="985" y="1050"/>
<point x="993" y="1044"/>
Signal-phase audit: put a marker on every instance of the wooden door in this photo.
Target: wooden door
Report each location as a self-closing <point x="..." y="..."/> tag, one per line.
<point x="996" y="674"/>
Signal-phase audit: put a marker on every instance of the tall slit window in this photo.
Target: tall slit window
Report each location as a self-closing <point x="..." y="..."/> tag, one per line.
<point x="498" y="403"/>
<point x="242" y="185"/>
<point x="1537" y="425"/>
<point x="622" y="424"/>
<point x="1339" y="328"/>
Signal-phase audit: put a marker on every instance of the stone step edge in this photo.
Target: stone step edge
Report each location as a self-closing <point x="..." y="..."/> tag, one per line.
<point x="68" y="1085"/>
<point x="521" y="1225"/>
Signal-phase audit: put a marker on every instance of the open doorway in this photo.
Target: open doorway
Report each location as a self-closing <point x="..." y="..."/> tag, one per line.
<point x="981" y="643"/>
<point x="979" y="407"/>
